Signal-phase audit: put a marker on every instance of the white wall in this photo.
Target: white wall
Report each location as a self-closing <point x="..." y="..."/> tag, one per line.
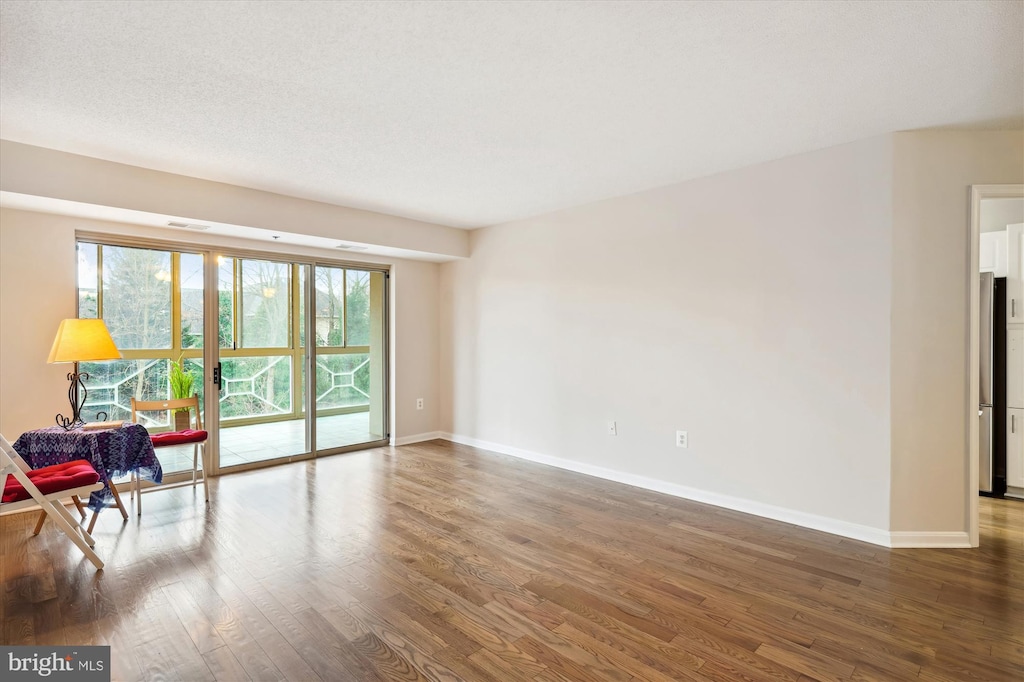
<point x="749" y="308"/>
<point x="932" y="175"/>
<point x="415" y="339"/>
<point x="37" y="290"/>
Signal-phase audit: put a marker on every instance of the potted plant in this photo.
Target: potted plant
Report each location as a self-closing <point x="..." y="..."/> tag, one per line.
<point x="182" y="386"/>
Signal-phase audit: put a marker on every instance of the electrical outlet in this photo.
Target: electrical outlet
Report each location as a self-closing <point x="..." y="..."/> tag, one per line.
<point x="419" y="403"/>
<point x="681" y="439"/>
<point x="612" y="429"/>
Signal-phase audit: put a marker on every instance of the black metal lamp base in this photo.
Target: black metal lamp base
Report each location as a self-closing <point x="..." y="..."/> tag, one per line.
<point x="77" y="384"/>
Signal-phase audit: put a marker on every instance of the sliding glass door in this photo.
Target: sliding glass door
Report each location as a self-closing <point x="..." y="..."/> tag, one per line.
<point x="262" y="356"/>
<point x="282" y="335"/>
<point x="349" y="356"/>
<point x="266" y="315"/>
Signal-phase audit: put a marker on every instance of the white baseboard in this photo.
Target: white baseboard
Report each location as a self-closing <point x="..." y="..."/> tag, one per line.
<point x="417" y="438"/>
<point x="900" y="538"/>
<point x="875" y="536"/>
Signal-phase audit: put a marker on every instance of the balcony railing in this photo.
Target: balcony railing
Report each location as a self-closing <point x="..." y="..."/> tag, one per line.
<point x="254" y="387"/>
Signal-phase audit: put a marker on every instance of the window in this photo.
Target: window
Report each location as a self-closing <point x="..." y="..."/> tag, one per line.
<point x="152" y="302"/>
<point x="342" y="302"/>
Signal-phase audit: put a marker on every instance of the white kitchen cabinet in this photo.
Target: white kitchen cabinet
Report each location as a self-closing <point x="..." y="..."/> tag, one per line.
<point x="1015" y="367"/>
<point x="1015" y="448"/>
<point x="993" y="253"/>
<point x="1015" y="274"/>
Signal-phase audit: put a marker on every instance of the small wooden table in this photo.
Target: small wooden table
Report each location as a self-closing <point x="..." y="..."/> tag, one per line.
<point x="112" y="452"/>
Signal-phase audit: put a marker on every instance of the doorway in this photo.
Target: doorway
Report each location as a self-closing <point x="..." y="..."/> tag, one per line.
<point x="985" y="432"/>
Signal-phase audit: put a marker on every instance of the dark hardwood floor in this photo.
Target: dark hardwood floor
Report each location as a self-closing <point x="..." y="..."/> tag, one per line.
<point x="438" y="561"/>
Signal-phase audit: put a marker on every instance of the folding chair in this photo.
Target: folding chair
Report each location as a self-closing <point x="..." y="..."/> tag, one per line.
<point x="45" y="487"/>
<point x="197" y="437"/>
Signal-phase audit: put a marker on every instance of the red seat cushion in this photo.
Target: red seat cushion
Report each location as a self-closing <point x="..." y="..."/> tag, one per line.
<point x="52" y="479"/>
<point x="177" y="437"/>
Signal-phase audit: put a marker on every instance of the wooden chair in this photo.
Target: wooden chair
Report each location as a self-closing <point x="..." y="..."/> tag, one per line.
<point x="45" y="487"/>
<point x="197" y="436"/>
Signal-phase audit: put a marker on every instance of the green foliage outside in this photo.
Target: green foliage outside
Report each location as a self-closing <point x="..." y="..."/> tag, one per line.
<point x="189" y="339"/>
<point x="358" y="301"/>
<point x="225" y="319"/>
<point x="137" y="297"/>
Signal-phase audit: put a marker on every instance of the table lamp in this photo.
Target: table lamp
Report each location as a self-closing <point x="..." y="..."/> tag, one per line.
<point x="80" y="341"/>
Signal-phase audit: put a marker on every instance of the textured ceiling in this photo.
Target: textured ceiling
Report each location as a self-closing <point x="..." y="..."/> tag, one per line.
<point x="475" y="113"/>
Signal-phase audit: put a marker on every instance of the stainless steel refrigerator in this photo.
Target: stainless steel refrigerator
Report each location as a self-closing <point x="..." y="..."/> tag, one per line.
<point x="992" y="398"/>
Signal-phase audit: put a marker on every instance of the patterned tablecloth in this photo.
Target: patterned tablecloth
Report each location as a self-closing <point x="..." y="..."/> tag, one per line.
<point x="113" y="452"/>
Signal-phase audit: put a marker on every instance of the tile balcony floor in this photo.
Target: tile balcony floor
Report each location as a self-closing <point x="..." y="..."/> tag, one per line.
<point x="260" y="442"/>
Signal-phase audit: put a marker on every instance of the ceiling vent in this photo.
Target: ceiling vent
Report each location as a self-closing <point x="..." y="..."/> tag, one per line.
<point x="189" y="226"/>
<point x="351" y="247"/>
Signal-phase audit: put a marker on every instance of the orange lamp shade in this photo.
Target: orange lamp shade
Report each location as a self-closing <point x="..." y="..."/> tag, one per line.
<point x="82" y="340"/>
